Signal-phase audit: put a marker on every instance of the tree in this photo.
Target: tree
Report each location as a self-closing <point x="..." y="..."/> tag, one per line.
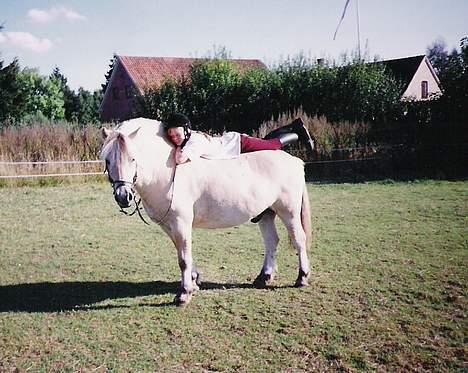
<point x="438" y="55"/>
<point x="43" y="96"/>
<point x="108" y="75"/>
<point x="88" y="106"/>
<point x="452" y="69"/>
<point x="27" y="94"/>
<point x="82" y="106"/>
<point x="161" y="102"/>
<point x="364" y="92"/>
<point x="212" y="83"/>
<point x="12" y="97"/>
<point x="70" y="99"/>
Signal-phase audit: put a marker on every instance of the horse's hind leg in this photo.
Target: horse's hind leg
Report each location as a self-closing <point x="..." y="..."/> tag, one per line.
<point x="270" y="241"/>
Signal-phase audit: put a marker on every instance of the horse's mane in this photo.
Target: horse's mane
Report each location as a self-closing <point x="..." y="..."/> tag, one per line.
<point x="149" y="128"/>
<point x="130" y="126"/>
<point x="108" y="145"/>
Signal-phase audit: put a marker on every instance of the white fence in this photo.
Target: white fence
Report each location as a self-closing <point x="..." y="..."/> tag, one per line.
<point x="50" y="163"/>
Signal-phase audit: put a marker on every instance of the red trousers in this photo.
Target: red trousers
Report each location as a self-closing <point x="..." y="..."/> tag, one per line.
<point x="253" y="144"/>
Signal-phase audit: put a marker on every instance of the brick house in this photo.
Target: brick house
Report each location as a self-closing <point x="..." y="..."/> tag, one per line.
<point x="134" y="75"/>
<point x="420" y="81"/>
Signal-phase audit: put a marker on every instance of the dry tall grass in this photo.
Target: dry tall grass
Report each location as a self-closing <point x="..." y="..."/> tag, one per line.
<point x="48" y="144"/>
<point x="341" y="141"/>
<point x="61" y="142"/>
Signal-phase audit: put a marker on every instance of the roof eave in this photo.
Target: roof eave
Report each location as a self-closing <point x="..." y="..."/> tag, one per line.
<point x="431" y="68"/>
<point x="141" y="91"/>
<point x="413" y="77"/>
<point x="111" y="79"/>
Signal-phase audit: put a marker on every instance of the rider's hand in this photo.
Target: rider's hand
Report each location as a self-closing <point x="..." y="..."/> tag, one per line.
<point x="180" y="157"/>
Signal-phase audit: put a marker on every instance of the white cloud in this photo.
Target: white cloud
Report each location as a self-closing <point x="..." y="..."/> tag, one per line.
<point x="25" y="40"/>
<point x="49" y="15"/>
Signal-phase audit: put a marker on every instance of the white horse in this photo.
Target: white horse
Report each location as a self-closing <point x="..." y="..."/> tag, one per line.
<point x="208" y="194"/>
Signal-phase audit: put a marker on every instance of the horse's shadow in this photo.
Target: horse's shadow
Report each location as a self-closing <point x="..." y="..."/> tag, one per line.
<point x="68" y="296"/>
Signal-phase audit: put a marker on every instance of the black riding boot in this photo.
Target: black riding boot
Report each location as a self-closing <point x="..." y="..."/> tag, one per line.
<point x="295" y="128"/>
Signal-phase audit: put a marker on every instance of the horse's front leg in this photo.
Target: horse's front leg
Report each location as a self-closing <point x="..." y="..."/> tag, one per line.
<point x="270" y="241"/>
<point x="182" y="238"/>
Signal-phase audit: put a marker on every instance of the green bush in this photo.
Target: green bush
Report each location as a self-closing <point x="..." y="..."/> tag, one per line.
<point x="219" y="96"/>
<point x="43" y="96"/>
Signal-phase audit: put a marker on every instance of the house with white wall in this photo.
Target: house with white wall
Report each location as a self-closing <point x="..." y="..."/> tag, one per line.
<point x="418" y="77"/>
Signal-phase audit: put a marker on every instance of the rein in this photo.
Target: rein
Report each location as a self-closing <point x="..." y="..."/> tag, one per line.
<point x="160" y="221"/>
<point x="137" y="209"/>
<point x="138" y="201"/>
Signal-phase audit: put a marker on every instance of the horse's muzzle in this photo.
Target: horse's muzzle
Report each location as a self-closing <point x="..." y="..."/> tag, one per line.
<point x="123" y="196"/>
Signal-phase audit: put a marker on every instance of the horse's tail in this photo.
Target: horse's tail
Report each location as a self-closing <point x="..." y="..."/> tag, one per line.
<point x="306" y="216"/>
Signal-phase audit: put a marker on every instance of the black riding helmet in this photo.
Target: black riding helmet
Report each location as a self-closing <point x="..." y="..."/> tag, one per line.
<point x="179" y="120"/>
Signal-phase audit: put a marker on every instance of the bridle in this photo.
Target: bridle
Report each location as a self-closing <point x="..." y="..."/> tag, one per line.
<point x="118" y="183"/>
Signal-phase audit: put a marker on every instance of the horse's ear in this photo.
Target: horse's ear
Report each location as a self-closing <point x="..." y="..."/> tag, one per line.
<point x="105" y="132"/>
<point x="133" y="134"/>
<point x="121" y="138"/>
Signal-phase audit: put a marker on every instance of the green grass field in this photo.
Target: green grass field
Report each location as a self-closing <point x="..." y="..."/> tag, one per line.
<point x="83" y="287"/>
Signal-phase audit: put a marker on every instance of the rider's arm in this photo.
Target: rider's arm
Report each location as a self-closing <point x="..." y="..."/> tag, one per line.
<point x="193" y="149"/>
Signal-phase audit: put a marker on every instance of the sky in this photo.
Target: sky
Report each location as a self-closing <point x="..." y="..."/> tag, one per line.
<point x="81" y="36"/>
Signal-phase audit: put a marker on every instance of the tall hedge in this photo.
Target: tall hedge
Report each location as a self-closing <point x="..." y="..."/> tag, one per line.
<point x="218" y="96"/>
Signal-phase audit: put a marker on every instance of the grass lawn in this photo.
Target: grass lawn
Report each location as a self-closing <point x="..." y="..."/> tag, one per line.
<point x="83" y="287"/>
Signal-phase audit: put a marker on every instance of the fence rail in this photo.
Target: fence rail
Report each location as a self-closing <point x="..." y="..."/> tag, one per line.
<point x="25" y="176"/>
<point x="394" y="161"/>
<point x="343" y="160"/>
<point x="50" y="175"/>
<point x="49" y="163"/>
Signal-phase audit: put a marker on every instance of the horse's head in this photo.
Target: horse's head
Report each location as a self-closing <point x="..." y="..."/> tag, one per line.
<point x="135" y="145"/>
<point x="120" y="157"/>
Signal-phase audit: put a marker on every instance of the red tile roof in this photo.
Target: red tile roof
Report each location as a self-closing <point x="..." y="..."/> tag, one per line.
<point x="152" y="71"/>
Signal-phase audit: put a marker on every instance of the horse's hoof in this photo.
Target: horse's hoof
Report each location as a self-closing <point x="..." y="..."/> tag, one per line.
<point x="196" y="279"/>
<point x="301" y="283"/>
<point x="183" y="298"/>
<point x="262" y="280"/>
<point x="302" y="280"/>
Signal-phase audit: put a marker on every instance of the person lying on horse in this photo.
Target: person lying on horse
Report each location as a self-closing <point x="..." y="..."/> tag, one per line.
<point x="209" y="194"/>
<point x="192" y="145"/>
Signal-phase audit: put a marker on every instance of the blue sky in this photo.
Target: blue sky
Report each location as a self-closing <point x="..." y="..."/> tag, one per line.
<point x="80" y="36"/>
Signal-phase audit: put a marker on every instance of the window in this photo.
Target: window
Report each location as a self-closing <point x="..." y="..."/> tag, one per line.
<point x="424" y="89"/>
<point x="115" y="93"/>
<point x="128" y="91"/>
